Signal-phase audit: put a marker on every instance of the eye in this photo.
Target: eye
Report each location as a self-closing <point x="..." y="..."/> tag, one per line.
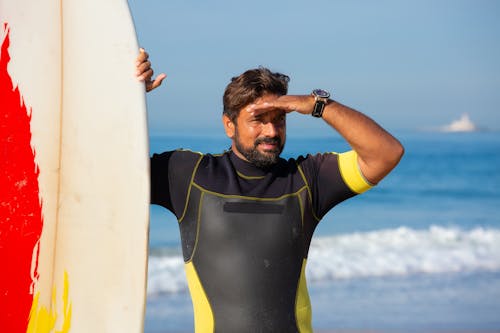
<point x="279" y="119"/>
<point x="256" y="120"/>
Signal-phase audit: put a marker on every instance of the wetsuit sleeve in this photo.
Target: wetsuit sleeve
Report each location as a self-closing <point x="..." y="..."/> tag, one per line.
<point x="171" y="175"/>
<point x="333" y="178"/>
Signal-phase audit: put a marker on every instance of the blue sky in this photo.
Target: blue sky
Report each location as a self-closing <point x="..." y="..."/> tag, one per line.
<point x="407" y="64"/>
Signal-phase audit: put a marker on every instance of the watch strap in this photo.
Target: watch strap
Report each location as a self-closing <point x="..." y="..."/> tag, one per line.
<point x="319" y="107"/>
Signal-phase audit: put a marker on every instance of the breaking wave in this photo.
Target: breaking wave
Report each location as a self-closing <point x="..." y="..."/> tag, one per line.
<point x="392" y="252"/>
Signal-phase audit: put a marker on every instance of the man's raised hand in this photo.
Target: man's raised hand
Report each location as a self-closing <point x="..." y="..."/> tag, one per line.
<point x="287" y="103"/>
<point x="145" y="72"/>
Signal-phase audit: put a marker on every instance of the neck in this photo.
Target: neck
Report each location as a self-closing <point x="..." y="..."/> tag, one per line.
<point x="237" y="152"/>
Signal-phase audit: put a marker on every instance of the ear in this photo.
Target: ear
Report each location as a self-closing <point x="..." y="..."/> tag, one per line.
<point x="228" y="126"/>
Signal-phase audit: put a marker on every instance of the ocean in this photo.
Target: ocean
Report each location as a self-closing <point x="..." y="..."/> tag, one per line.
<point x="420" y="252"/>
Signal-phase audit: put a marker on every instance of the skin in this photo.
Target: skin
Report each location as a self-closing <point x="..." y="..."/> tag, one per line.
<point x="145" y="73"/>
<point x="258" y="131"/>
<point x="378" y="151"/>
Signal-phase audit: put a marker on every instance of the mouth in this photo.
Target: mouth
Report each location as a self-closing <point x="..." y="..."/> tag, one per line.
<point x="268" y="144"/>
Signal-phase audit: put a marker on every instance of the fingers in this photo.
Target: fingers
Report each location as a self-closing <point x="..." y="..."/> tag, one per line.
<point x="143" y="66"/>
<point x="150" y="85"/>
<point x="263" y="107"/>
<point x="143" y="69"/>
<point x="142" y="57"/>
<point x="145" y="73"/>
<point x="259" y="108"/>
<point x="286" y="103"/>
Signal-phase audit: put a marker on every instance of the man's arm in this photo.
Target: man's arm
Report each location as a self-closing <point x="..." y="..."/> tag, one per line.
<point x="378" y="151"/>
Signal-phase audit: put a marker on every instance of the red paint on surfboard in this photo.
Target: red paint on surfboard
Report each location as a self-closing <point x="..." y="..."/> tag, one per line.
<point x="21" y="218"/>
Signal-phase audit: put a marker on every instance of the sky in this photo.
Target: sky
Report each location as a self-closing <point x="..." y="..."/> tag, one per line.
<point x="407" y="64"/>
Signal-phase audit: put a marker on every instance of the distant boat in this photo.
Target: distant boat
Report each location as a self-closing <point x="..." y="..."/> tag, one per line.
<point x="464" y="124"/>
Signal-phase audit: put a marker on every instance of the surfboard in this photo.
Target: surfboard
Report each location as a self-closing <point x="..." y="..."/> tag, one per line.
<point x="74" y="182"/>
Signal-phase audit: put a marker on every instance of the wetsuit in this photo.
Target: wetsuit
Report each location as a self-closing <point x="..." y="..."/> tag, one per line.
<point x="245" y="232"/>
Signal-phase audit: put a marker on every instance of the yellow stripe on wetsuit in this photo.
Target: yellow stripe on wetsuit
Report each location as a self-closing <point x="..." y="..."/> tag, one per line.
<point x="351" y="173"/>
<point x="203" y="315"/>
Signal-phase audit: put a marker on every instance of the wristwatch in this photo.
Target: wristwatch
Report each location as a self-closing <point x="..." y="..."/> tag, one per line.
<point x="321" y="97"/>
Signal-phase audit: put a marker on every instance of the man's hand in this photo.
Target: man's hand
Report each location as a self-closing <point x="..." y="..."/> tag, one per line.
<point x="288" y="103"/>
<point x="145" y="72"/>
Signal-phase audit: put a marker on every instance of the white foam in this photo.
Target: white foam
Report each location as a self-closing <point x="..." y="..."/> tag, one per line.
<point x="166" y="275"/>
<point x="404" y="251"/>
<point x="393" y="252"/>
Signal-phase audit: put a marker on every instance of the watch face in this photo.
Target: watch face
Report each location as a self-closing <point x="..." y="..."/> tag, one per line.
<point x="321" y="93"/>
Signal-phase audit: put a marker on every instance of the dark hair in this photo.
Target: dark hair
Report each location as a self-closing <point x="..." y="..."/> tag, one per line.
<point x="246" y="88"/>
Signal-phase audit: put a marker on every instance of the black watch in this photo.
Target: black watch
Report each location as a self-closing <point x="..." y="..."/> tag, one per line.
<point x="321" y="97"/>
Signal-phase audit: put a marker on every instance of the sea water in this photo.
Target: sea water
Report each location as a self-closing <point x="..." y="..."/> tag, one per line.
<point x="419" y="252"/>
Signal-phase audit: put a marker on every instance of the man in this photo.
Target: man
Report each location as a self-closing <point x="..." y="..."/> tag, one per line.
<point x="247" y="216"/>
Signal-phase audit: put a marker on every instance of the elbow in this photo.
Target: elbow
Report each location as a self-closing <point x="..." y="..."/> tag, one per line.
<point x="387" y="161"/>
<point x="383" y="162"/>
<point x="396" y="152"/>
<point x="393" y="153"/>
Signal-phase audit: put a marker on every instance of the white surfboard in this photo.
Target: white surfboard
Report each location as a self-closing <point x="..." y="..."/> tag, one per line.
<point x="74" y="168"/>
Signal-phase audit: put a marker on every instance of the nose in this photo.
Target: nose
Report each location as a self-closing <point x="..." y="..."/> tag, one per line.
<point x="269" y="129"/>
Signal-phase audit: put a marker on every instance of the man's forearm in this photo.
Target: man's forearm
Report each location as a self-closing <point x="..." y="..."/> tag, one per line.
<point x="378" y="151"/>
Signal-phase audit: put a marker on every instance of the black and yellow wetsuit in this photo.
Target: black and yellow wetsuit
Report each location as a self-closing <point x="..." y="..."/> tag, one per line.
<point x="245" y="232"/>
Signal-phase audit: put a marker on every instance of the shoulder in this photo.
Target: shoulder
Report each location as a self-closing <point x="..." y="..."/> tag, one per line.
<point x="314" y="162"/>
<point x="178" y="157"/>
<point x="178" y="153"/>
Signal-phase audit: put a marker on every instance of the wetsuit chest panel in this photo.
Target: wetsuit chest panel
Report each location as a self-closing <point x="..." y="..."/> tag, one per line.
<point x="248" y="257"/>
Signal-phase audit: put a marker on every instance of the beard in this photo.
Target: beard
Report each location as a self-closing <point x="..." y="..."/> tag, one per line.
<point x="261" y="160"/>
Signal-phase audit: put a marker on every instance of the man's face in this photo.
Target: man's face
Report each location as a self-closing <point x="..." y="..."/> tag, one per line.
<point x="260" y="138"/>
